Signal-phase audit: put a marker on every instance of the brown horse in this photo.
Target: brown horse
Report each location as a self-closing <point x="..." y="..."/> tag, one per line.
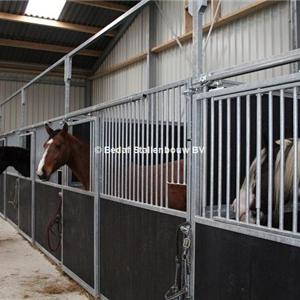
<point x="62" y="148"/>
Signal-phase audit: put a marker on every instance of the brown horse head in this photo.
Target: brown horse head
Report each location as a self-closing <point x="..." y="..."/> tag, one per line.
<point x="56" y="153"/>
<point x="62" y="148"/>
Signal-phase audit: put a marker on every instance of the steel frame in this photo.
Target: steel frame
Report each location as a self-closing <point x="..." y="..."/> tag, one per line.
<point x="197" y="98"/>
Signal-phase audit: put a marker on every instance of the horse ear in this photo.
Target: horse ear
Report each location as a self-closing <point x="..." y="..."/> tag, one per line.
<point x="65" y="128"/>
<point x="49" y="130"/>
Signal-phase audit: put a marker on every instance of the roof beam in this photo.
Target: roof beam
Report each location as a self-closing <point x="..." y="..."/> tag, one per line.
<point x="52" y="23"/>
<point x="103" y="4"/>
<point x="31" y="68"/>
<point x="46" y="47"/>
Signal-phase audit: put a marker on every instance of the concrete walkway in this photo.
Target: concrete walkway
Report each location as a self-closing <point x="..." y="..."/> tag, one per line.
<point x="25" y="273"/>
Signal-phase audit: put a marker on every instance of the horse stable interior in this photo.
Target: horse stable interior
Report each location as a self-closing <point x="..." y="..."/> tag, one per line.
<point x="189" y="114"/>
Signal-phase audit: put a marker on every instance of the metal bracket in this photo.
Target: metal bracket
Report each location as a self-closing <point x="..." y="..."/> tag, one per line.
<point x="196" y="6"/>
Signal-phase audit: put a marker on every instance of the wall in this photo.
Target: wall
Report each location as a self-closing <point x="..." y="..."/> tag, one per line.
<point x="259" y="35"/>
<point x="45" y="100"/>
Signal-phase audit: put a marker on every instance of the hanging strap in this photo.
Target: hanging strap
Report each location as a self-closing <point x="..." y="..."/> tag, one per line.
<point x="180" y="288"/>
<point x="54" y="227"/>
<point x="15" y="201"/>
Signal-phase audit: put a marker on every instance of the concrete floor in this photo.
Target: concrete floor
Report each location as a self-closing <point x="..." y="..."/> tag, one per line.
<point x="25" y="273"/>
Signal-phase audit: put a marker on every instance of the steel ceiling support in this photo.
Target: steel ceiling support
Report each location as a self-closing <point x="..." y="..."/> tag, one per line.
<point x="67" y="79"/>
<point x="197" y="9"/>
<point x="151" y="57"/>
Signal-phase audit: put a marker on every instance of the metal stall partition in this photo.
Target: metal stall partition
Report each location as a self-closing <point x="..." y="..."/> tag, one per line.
<point x="78" y="244"/>
<point x="2" y="186"/>
<point x="137" y="224"/>
<point x="25" y="189"/>
<point x="12" y="186"/>
<point x="246" y="215"/>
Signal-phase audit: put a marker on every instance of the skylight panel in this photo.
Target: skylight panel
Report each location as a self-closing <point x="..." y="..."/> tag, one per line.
<point x="50" y="9"/>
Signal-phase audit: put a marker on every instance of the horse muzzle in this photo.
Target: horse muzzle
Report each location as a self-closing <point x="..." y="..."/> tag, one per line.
<point x="43" y="177"/>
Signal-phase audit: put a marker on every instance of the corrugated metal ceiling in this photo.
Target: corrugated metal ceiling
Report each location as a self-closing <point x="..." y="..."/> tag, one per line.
<point x="72" y="13"/>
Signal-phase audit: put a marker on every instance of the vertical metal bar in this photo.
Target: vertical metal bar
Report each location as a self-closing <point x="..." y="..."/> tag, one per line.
<point x="167" y="144"/>
<point x="33" y="178"/>
<point x="119" y="152"/>
<point x="212" y="154"/>
<point x="123" y="174"/>
<point x="258" y="157"/>
<point x="184" y="138"/>
<point x="134" y="155"/>
<point x="108" y="155"/>
<point x="67" y="79"/>
<point x="282" y="148"/>
<point x="173" y="137"/>
<point x="220" y="157"/>
<point x="178" y="135"/>
<point x="103" y="143"/>
<point x="270" y="160"/>
<point x="192" y="172"/>
<point x="127" y="144"/>
<point x="228" y="163"/>
<point x="138" y="178"/>
<point x="162" y="103"/>
<point x="248" y="115"/>
<point x="156" y="145"/>
<point x="238" y="154"/>
<point x="97" y="183"/>
<point x="295" y="158"/>
<point x="115" y="145"/>
<point x="106" y="120"/>
<point x="204" y="155"/>
<point x="148" y="133"/>
<point x="131" y="150"/>
<point x="151" y="146"/>
<point x="143" y="155"/>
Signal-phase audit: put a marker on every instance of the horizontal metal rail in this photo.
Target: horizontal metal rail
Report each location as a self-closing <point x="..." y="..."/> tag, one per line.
<point x="255" y="66"/>
<point x="87" y="43"/>
<point x="250" y="88"/>
<point x="98" y="107"/>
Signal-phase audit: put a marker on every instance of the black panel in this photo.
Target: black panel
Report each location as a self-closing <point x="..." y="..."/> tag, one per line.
<point x="137" y="252"/>
<point x="2" y="194"/>
<point x="12" y="198"/>
<point x="235" y="266"/>
<point x="25" y="206"/>
<point x="78" y="238"/>
<point x="46" y="205"/>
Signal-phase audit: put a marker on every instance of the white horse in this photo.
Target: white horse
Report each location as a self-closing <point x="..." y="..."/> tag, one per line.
<point x="288" y="181"/>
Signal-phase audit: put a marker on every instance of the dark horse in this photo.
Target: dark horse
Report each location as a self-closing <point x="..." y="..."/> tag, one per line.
<point x="16" y="157"/>
<point x="62" y="148"/>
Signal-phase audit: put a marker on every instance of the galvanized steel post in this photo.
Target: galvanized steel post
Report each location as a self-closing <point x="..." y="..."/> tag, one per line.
<point x="67" y="79"/>
<point x="23" y="108"/>
<point x="97" y="133"/>
<point x="196" y="9"/>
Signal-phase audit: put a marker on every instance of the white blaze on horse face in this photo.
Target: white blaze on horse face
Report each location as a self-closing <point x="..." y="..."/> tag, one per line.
<point x="39" y="171"/>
